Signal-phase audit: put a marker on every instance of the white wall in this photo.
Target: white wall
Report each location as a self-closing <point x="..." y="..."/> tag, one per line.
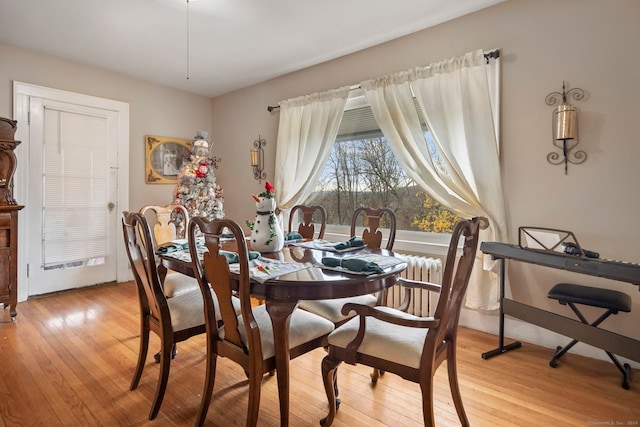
<point x="590" y="44"/>
<point x="154" y="110"/>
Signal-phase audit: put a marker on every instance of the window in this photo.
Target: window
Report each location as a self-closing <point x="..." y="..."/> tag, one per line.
<point x="363" y="171"/>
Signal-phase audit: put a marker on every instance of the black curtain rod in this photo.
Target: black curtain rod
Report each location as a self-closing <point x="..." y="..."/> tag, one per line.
<point x="493" y="54"/>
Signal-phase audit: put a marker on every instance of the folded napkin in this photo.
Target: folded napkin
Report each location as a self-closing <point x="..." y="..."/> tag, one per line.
<point x="351" y="243"/>
<point x="167" y="248"/>
<point x="232" y="257"/>
<point x="176" y="245"/>
<point x="353" y="264"/>
<point x="292" y="235"/>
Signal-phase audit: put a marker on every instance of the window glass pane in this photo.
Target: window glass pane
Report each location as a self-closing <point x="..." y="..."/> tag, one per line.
<point x="363" y="171"/>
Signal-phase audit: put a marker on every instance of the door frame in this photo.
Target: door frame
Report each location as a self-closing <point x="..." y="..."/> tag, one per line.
<point x="21" y="99"/>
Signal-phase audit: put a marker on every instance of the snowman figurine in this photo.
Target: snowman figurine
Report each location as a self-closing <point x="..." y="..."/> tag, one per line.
<point x="266" y="234"/>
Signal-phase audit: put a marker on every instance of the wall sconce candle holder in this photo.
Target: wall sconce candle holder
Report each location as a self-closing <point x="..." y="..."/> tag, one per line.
<point x="565" y="128"/>
<point x="257" y="159"/>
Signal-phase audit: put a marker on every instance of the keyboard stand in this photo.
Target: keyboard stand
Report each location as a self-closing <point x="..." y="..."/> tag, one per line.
<point x="615" y="343"/>
<point x="501" y="347"/>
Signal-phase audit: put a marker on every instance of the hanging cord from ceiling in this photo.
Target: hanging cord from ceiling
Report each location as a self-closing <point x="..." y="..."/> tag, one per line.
<point x="188" y="1"/>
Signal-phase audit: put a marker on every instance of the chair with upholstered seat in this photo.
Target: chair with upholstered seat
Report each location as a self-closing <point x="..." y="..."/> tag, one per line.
<point x="331" y="309"/>
<point x="172" y="319"/>
<point x="247" y="339"/>
<point x="306" y="227"/>
<point x="372" y="219"/>
<point x="404" y="344"/>
<point x="169" y="223"/>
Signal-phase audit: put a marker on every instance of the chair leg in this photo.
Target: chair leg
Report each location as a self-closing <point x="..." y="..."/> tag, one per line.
<point x="210" y="378"/>
<point x="625" y="369"/>
<point x="452" y="368"/>
<point x="330" y="378"/>
<point x="255" y="386"/>
<point x="427" y="403"/>
<point x="560" y="351"/>
<point x="174" y="353"/>
<point x="142" y="356"/>
<point x="375" y="374"/>
<point x="165" y="365"/>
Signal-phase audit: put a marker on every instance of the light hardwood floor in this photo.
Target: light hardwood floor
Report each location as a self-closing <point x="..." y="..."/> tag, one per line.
<point x="69" y="358"/>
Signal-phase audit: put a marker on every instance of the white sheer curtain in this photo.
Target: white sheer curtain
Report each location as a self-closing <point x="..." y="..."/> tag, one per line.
<point x="307" y="130"/>
<point x="461" y="169"/>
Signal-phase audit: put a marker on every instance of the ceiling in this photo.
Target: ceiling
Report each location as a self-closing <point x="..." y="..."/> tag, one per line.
<point x="230" y="44"/>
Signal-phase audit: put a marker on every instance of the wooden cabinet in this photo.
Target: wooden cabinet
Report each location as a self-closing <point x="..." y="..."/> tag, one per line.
<point x="8" y="218"/>
<point x="9" y="257"/>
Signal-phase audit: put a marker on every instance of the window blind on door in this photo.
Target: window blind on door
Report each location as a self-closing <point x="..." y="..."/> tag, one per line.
<point x="74" y="189"/>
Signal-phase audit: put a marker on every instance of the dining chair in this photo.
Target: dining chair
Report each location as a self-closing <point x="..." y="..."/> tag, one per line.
<point x="404" y="344"/>
<point x="306" y="228"/>
<point x="169" y="223"/>
<point x="331" y="309"/>
<point x="171" y="319"/>
<point x="246" y="339"/>
<point x="372" y="218"/>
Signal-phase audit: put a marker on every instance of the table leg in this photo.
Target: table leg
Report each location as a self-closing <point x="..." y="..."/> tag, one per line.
<point x="280" y="313"/>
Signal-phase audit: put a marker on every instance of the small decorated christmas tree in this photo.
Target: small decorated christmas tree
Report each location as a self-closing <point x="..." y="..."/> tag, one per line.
<point x="197" y="189"/>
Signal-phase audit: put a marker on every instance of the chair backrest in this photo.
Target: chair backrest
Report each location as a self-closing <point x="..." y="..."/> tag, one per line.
<point x="306" y="228"/>
<point x="168" y="222"/>
<point x="212" y="272"/>
<point x="371" y="235"/>
<point x="137" y="239"/>
<point x="454" y="285"/>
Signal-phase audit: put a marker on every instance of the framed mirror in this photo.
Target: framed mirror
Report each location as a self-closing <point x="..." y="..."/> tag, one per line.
<point x="164" y="158"/>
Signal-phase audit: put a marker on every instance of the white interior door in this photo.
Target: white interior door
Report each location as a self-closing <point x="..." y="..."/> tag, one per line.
<point x="72" y="196"/>
<point x="72" y="163"/>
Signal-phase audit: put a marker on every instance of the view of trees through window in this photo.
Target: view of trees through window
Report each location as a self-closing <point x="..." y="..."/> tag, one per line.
<point x="365" y="172"/>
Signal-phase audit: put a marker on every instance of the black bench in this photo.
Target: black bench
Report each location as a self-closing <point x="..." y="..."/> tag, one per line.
<point x="612" y="301"/>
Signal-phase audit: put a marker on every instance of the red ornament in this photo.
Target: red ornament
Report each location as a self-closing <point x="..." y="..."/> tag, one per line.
<point x="270" y="188"/>
<point x="202" y="170"/>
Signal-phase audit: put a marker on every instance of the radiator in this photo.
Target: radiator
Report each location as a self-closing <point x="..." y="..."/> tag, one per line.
<point x="424" y="269"/>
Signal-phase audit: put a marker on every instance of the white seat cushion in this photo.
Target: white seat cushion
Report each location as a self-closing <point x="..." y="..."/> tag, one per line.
<point x="177" y="283"/>
<point x="187" y="309"/>
<point x="399" y="344"/>
<point x="303" y="327"/>
<point x="331" y="308"/>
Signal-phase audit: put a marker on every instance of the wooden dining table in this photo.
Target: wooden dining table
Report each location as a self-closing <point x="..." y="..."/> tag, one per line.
<point x="282" y="294"/>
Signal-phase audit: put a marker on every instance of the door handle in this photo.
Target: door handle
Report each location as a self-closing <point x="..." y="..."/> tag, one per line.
<point x="111" y="206"/>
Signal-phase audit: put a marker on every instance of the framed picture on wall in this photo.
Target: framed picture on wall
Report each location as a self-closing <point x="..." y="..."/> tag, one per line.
<point x="164" y="158"/>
